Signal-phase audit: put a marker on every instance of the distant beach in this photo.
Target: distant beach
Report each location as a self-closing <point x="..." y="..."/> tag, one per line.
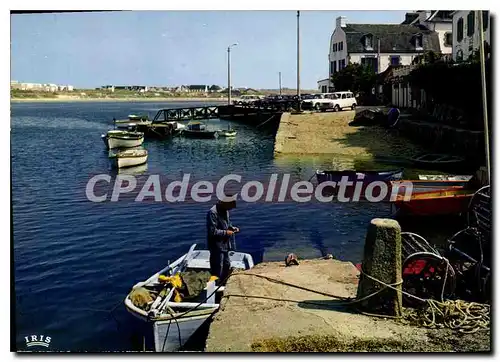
<point x="124" y="99"/>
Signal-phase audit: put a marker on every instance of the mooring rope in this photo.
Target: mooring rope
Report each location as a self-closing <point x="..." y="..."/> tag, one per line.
<point x="458" y="315"/>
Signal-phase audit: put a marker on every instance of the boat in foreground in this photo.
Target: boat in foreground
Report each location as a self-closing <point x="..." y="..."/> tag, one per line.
<point x="122" y="139"/>
<point x="178" y="299"/>
<point x="129" y="158"/>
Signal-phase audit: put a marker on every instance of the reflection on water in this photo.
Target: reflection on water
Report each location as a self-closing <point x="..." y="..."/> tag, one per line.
<point x="72" y="255"/>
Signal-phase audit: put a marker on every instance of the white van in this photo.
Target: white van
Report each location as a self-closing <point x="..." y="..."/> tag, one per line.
<point x="339" y="101"/>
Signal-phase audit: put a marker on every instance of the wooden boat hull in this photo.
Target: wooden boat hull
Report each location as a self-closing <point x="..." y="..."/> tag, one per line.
<point x="117" y="142"/>
<point x="369" y="176"/>
<point x="130" y="158"/>
<point x="198" y="134"/>
<point x="451" y="201"/>
<point x="428" y="185"/>
<point x="166" y="328"/>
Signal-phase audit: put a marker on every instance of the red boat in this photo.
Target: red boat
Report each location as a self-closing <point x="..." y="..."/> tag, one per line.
<point x="449" y="201"/>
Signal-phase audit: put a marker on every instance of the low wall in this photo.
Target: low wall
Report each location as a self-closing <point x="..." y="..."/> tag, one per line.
<point x="444" y="138"/>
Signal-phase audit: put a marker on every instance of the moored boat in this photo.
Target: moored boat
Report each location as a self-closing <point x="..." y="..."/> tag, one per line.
<point x="129" y="158"/>
<point x="448" y="201"/>
<point x="178" y="299"/>
<point x="364" y="176"/>
<point x="437" y="161"/>
<point x="227" y="133"/>
<point x="428" y="185"/>
<point x="122" y="139"/>
<point x="132" y="120"/>
<point x="445" y="177"/>
<point x="198" y="130"/>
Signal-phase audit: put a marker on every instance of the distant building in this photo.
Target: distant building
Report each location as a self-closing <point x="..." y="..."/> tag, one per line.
<point x="466" y="34"/>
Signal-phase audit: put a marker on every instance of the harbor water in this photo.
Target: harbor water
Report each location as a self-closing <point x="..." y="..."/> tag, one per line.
<point x="75" y="260"/>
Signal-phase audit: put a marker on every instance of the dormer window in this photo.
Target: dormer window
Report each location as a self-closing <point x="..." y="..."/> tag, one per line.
<point x="368" y="41"/>
<point x="418" y="42"/>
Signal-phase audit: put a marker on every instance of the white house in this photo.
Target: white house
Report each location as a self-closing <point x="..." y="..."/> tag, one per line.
<point x="377" y="46"/>
<point x="440" y="21"/>
<point x="466" y="33"/>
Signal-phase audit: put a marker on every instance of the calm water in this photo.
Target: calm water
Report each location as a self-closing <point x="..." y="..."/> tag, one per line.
<point x="75" y="260"/>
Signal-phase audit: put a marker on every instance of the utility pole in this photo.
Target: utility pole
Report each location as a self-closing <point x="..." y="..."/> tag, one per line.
<point x="484" y="95"/>
<point x="229" y="73"/>
<point x="298" y="59"/>
<point x="378" y="57"/>
<point x="280" y="81"/>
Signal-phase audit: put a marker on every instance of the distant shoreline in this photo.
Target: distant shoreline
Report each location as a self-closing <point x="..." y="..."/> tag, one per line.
<point x="125" y="99"/>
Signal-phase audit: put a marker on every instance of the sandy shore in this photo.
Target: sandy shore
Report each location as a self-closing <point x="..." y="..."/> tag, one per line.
<point x="80" y="99"/>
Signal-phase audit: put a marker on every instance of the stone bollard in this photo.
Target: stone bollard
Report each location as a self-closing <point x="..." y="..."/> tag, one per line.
<point x="382" y="260"/>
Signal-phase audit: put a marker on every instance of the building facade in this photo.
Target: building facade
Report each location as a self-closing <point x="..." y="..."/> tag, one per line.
<point x="440" y="21"/>
<point x="377" y="46"/>
<point x="466" y="34"/>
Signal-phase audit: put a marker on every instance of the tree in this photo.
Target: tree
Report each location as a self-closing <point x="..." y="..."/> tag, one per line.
<point x="356" y="78"/>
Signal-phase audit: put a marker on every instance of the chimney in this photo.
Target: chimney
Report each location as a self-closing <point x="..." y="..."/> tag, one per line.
<point x="341" y="22"/>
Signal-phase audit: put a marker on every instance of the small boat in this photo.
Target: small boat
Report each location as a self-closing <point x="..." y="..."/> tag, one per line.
<point x="170" y="307"/>
<point x="445" y="177"/>
<point x="227" y="133"/>
<point x="129" y="158"/>
<point x="429" y="185"/>
<point x="367" y="176"/>
<point x="437" y="161"/>
<point x="449" y="201"/>
<point x="122" y="139"/>
<point x="198" y="130"/>
<point x="133" y="120"/>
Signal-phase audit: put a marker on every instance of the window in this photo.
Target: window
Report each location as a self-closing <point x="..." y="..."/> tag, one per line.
<point x="368" y="41"/>
<point x="448" y="39"/>
<point x="370" y="62"/>
<point x="340" y="65"/>
<point x="323" y="89"/>
<point x="332" y="67"/>
<point x="460" y="29"/>
<point x="395" y="59"/>
<point x="341" y="45"/>
<point x="418" y="41"/>
<point x="485" y="20"/>
<point x="335" y="47"/>
<point x="344" y="95"/>
<point x="470" y="23"/>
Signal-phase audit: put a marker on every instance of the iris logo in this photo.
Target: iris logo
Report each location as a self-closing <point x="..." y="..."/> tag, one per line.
<point x="35" y="340"/>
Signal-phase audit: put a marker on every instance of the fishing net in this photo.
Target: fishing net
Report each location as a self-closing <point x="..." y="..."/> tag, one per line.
<point x="140" y="297"/>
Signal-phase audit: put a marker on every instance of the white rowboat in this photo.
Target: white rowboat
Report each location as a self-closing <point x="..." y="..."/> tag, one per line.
<point x="173" y="323"/>
<point x="129" y="158"/>
<point x="122" y="139"/>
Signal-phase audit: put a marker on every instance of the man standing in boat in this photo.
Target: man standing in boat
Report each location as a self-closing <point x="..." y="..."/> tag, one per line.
<point x="220" y="237"/>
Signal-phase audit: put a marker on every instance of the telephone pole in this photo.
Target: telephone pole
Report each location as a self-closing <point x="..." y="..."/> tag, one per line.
<point x="298" y="59"/>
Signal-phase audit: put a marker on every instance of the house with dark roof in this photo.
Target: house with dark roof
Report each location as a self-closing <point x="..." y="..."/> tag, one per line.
<point x="466" y="35"/>
<point x="440" y="21"/>
<point x="376" y="45"/>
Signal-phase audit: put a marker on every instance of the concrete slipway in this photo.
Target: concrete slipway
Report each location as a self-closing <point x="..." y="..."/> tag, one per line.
<point x="282" y="318"/>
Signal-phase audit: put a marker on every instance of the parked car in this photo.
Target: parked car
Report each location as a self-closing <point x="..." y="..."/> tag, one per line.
<point x="315" y="100"/>
<point x="338" y="101"/>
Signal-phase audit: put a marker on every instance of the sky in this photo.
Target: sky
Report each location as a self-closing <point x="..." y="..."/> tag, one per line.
<point x="167" y="48"/>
